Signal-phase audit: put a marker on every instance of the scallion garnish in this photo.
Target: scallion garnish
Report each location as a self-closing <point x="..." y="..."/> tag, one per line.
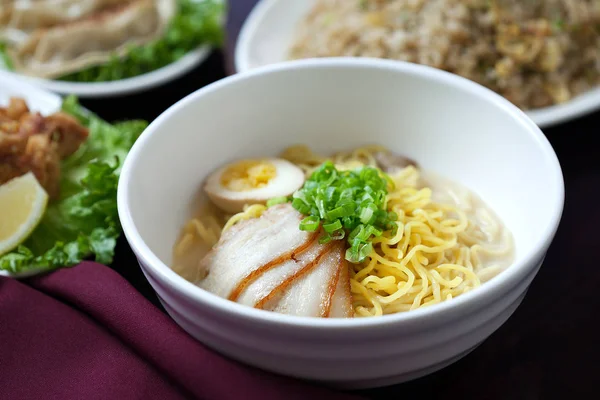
<point x="276" y="200"/>
<point x="348" y="204"/>
<point x="333" y="226"/>
<point x="309" y="224"/>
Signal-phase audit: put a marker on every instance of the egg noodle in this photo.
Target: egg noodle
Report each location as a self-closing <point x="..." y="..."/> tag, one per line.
<point x="440" y="250"/>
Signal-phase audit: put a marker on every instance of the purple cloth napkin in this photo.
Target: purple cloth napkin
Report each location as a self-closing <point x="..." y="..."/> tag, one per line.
<point x="85" y="333"/>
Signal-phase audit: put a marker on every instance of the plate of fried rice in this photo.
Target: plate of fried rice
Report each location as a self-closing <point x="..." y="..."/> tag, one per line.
<point x="542" y="55"/>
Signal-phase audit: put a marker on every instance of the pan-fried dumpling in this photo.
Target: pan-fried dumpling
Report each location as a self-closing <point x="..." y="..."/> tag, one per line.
<point x="70" y="47"/>
<point x="18" y="18"/>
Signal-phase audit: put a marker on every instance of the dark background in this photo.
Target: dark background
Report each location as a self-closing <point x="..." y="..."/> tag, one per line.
<point x="549" y="348"/>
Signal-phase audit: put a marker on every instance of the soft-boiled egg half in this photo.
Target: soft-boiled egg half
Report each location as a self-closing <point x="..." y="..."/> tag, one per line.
<point x="252" y="182"/>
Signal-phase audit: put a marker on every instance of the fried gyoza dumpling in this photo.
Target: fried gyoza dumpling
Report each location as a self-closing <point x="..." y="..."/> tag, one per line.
<point x="19" y="18"/>
<point x="60" y="49"/>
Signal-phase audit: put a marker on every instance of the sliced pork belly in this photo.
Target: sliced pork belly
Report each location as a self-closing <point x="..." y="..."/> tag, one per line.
<point x="251" y="248"/>
<point x="311" y="294"/>
<point x="341" y="304"/>
<point x="269" y="263"/>
<point x="276" y="279"/>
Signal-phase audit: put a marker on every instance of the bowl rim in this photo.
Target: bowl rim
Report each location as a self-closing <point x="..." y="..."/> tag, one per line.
<point x="584" y="104"/>
<point x="508" y="279"/>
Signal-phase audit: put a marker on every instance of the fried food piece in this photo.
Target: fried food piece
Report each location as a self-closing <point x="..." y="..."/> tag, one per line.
<point x="38" y="154"/>
<point x="31" y="124"/>
<point x="16" y="108"/>
<point x="41" y="157"/>
<point x="68" y="133"/>
<point x="11" y="144"/>
<point x="32" y="142"/>
<point x="10" y="168"/>
<point x="11" y="114"/>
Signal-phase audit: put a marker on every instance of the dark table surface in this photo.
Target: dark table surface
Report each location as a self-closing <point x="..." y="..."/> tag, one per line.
<point x="549" y="348"/>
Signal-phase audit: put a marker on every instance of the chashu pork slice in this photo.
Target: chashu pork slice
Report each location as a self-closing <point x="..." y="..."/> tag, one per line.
<point x="313" y="293"/>
<point x="341" y="304"/>
<point x="251" y="248"/>
<point x="269" y="263"/>
<point x="277" y="279"/>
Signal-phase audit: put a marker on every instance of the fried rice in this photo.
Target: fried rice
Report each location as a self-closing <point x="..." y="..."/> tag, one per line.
<point x="536" y="53"/>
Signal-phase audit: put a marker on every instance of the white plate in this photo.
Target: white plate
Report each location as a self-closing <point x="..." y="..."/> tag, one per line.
<point x="267" y="32"/>
<point x="123" y="86"/>
<point x="37" y="100"/>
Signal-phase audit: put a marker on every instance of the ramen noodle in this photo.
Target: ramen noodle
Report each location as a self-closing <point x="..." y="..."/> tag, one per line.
<point x="443" y="243"/>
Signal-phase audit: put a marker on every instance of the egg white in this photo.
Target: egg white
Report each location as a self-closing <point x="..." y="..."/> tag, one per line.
<point x="288" y="178"/>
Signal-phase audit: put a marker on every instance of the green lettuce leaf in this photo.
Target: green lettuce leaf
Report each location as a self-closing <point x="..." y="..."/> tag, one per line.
<point x="197" y="23"/>
<point x="83" y="223"/>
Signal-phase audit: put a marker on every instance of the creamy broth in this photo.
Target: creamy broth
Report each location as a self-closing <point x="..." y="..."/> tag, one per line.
<point x="487" y="226"/>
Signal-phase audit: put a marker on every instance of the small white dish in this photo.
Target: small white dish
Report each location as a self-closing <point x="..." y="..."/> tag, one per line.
<point x="446" y="123"/>
<point x="124" y="86"/>
<point x="37" y="100"/>
<point x="267" y="33"/>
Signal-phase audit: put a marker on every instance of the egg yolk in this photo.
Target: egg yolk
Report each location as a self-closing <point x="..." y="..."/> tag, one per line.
<point x="248" y="175"/>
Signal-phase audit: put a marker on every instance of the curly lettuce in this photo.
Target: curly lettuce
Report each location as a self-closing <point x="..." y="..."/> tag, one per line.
<point x="83" y="223"/>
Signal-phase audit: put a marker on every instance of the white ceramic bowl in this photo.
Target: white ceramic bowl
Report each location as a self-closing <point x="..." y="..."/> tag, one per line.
<point x="267" y="34"/>
<point x="447" y="123"/>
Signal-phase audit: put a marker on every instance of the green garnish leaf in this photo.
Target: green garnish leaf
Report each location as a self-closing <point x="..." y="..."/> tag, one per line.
<point x="348" y="204"/>
<point x="84" y="221"/>
<point x="276" y="200"/>
<point x="197" y="23"/>
<point x="333" y="226"/>
<point x="309" y="224"/>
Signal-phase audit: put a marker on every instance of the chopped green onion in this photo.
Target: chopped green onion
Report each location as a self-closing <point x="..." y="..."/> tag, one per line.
<point x="339" y="235"/>
<point x="352" y="255"/>
<point x="348" y="204"/>
<point x="366" y="214"/>
<point x="301" y="206"/>
<point x="365" y="250"/>
<point x="371" y="230"/>
<point x="333" y="226"/>
<point x="357" y="232"/>
<point x="321" y="207"/>
<point x="276" y="200"/>
<point x="325" y="239"/>
<point x="310" y="224"/>
<point x="329" y="193"/>
<point x="345" y="210"/>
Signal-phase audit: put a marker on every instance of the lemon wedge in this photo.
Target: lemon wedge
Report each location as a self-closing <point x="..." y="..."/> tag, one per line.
<point x="22" y="204"/>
